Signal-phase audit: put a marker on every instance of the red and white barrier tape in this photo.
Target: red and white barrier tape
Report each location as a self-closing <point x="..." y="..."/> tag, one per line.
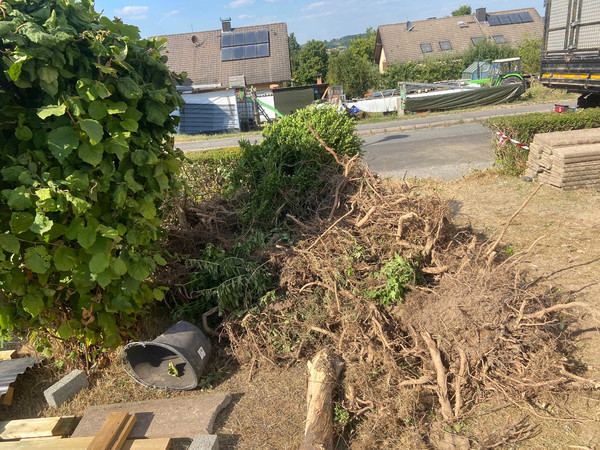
<point x="504" y="137"/>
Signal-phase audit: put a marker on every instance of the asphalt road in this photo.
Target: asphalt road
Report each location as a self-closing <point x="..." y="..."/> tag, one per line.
<point x="446" y="153"/>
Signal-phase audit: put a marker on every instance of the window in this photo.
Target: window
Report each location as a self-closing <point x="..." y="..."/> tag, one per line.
<point x="476" y="39"/>
<point x="248" y="45"/>
<point x="499" y="38"/>
<point x="445" y="45"/>
<point x="426" y="48"/>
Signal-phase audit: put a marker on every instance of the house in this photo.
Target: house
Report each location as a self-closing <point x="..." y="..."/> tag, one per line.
<point x="220" y="65"/>
<point x="219" y="59"/>
<point x="414" y="41"/>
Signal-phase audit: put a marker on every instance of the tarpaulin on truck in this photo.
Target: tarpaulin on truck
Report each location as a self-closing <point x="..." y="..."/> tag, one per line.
<point x="465" y="99"/>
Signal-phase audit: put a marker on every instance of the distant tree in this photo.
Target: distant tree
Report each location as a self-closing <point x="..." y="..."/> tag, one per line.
<point x="530" y="52"/>
<point x="462" y="11"/>
<point x="294" y="50"/>
<point x="364" y="46"/>
<point x="312" y="61"/>
<point x="355" y="73"/>
<point x="487" y="49"/>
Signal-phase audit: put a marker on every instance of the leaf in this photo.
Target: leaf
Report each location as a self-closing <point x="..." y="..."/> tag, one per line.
<point x="118" y="266"/>
<point x="62" y="141"/>
<point x="87" y="237"/>
<point x="115" y="146"/>
<point x="147" y="209"/>
<point x="65" y="259"/>
<point x="129" y="89"/>
<point x="18" y="199"/>
<point x="103" y="92"/>
<point x="104" y="278"/>
<point x="91" y="154"/>
<point x="37" y="259"/>
<point x="120" y="303"/>
<point x="23" y="133"/>
<point x="158" y="295"/>
<point x="41" y="224"/>
<point x="93" y="129"/>
<point x="9" y="243"/>
<point x="18" y="59"/>
<point x="52" y="110"/>
<point x="33" y="304"/>
<point x="99" y="263"/>
<point x="159" y="260"/>
<point x="129" y="125"/>
<point x="97" y="110"/>
<point x="20" y="222"/>
<point x="116" y="107"/>
<point x="86" y="89"/>
<point x="48" y="74"/>
<point x="138" y="271"/>
<point x="64" y="331"/>
<point x="130" y="181"/>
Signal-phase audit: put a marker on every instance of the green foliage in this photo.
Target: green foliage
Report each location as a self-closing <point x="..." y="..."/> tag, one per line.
<point x="294" y="51"/>
<point x="281" y="175"/>
<point x="86" y="162"/>
<point x="487" y="50"/>
<point x="530" y="52"/>
<point x="312" y="61"/>
<point x="232" y="281"/>
<point x="343" y="42"/>
<point x="398" y="276"/>
<point x="364" y="45"/>
<point x="355" y="73"/>
<point x="208" y="172"/>
<point x="512" y="159"/>
<point x="427" y="71"/>
<point x="462" y="11"/>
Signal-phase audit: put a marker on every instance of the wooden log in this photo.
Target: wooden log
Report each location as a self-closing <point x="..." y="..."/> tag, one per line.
<point x="124" y="433"/>
<point x="7" y="354"/>
<point x="31" y="428"/>
<point x="323" y="373"/>
<point x="7" y="398"/>
<point x="82" y="443"/>
<point x="109" y="431"/>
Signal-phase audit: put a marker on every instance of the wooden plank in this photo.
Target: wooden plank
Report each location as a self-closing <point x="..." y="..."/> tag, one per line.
<point x="7" y="354"/>
<point x="7" y="398"/>
<point x="65" y="426"/>
<point x="30" y="428"/>
<point x="122" y="437"/>
<point x="82" y="443"/>
<point x="109" y="431"/>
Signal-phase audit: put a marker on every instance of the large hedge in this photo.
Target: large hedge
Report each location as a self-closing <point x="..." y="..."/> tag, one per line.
<point x="513" y="159"/>
<point x="86" y="161"/>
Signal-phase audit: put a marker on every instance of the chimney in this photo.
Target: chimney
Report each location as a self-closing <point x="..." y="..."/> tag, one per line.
<point x="480" y="15"/>
<point x="226" y="24"/>
<point x="319" y="79"/>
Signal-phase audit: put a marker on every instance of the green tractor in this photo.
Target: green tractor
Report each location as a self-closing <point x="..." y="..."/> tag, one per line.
<point x="501" y="73"/>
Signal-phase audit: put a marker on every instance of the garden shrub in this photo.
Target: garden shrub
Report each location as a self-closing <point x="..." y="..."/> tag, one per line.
<point x="282" y="174"/>
<point x="511" y="158"/>
<point x="86" y="162"/>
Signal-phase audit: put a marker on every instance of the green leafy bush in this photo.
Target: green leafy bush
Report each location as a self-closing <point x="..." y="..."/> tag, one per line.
<point x="511" y="158"/>
<point x="398" y="275"/>
<point x="86" y="161"/>
<point x="429" y="70"/>
<point x="282" y="174"/>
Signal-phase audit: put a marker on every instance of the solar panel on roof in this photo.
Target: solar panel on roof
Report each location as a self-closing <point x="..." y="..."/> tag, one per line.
<point x="250" y="51"/>
<point x="227" y="40"/>
<point x="262" y="50"/>
<point x="250" y="37"/>
<point x="525" y="17"/>
<point x="226" y="54"/>
<point x="262" y="36"/>
<point x="493" y="20"/>
<point x="238" y="39"/>
<point x="515" y="18"/>
<point x="504" y="20"/>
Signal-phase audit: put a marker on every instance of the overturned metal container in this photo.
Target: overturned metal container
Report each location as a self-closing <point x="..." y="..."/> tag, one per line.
<point x="174" y="360"/>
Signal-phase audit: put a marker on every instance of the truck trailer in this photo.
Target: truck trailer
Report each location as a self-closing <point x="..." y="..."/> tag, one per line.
<point x="571" y="48"/>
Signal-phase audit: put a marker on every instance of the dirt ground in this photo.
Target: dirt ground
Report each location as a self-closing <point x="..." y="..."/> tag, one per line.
<point x="268" y="408"/>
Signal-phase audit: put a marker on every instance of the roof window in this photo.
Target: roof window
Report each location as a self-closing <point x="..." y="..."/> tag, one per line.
<point x="426" y="48"/>
<point x="445" y="45"/>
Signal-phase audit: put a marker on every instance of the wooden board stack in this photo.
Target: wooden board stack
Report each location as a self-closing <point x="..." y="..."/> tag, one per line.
<point x="567" y="159"/>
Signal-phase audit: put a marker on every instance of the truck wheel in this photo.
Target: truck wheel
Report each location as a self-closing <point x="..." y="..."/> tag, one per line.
<point x="511" y="79"/>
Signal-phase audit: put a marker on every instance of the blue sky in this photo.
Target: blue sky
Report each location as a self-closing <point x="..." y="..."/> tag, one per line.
<point x="317" y="19"/>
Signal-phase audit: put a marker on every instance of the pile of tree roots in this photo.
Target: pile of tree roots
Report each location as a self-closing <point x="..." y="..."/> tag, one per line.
<point x="427" y="320"/>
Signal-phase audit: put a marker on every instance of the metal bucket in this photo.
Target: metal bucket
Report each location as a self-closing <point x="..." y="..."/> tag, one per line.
<point x="183" y="344"/>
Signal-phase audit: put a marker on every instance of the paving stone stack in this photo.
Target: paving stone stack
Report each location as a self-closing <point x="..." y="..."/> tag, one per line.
<point x="566" y="159"/>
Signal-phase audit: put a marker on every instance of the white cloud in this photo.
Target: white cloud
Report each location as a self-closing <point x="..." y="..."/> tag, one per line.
<point x="314" y="6"/>
<point x="240" y="3"/>
<point x="271" y="1"/>
<point x="245" y="16"/>
<point x="133" y="12"/>
<point x="169" y="14"/>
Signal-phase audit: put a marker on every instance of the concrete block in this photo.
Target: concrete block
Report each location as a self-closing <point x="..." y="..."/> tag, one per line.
<point x="205" y="442"/>
<point x="66" y="388"/>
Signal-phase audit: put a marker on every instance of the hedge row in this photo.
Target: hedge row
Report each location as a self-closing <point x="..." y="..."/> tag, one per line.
<point x="511" y="158"/>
